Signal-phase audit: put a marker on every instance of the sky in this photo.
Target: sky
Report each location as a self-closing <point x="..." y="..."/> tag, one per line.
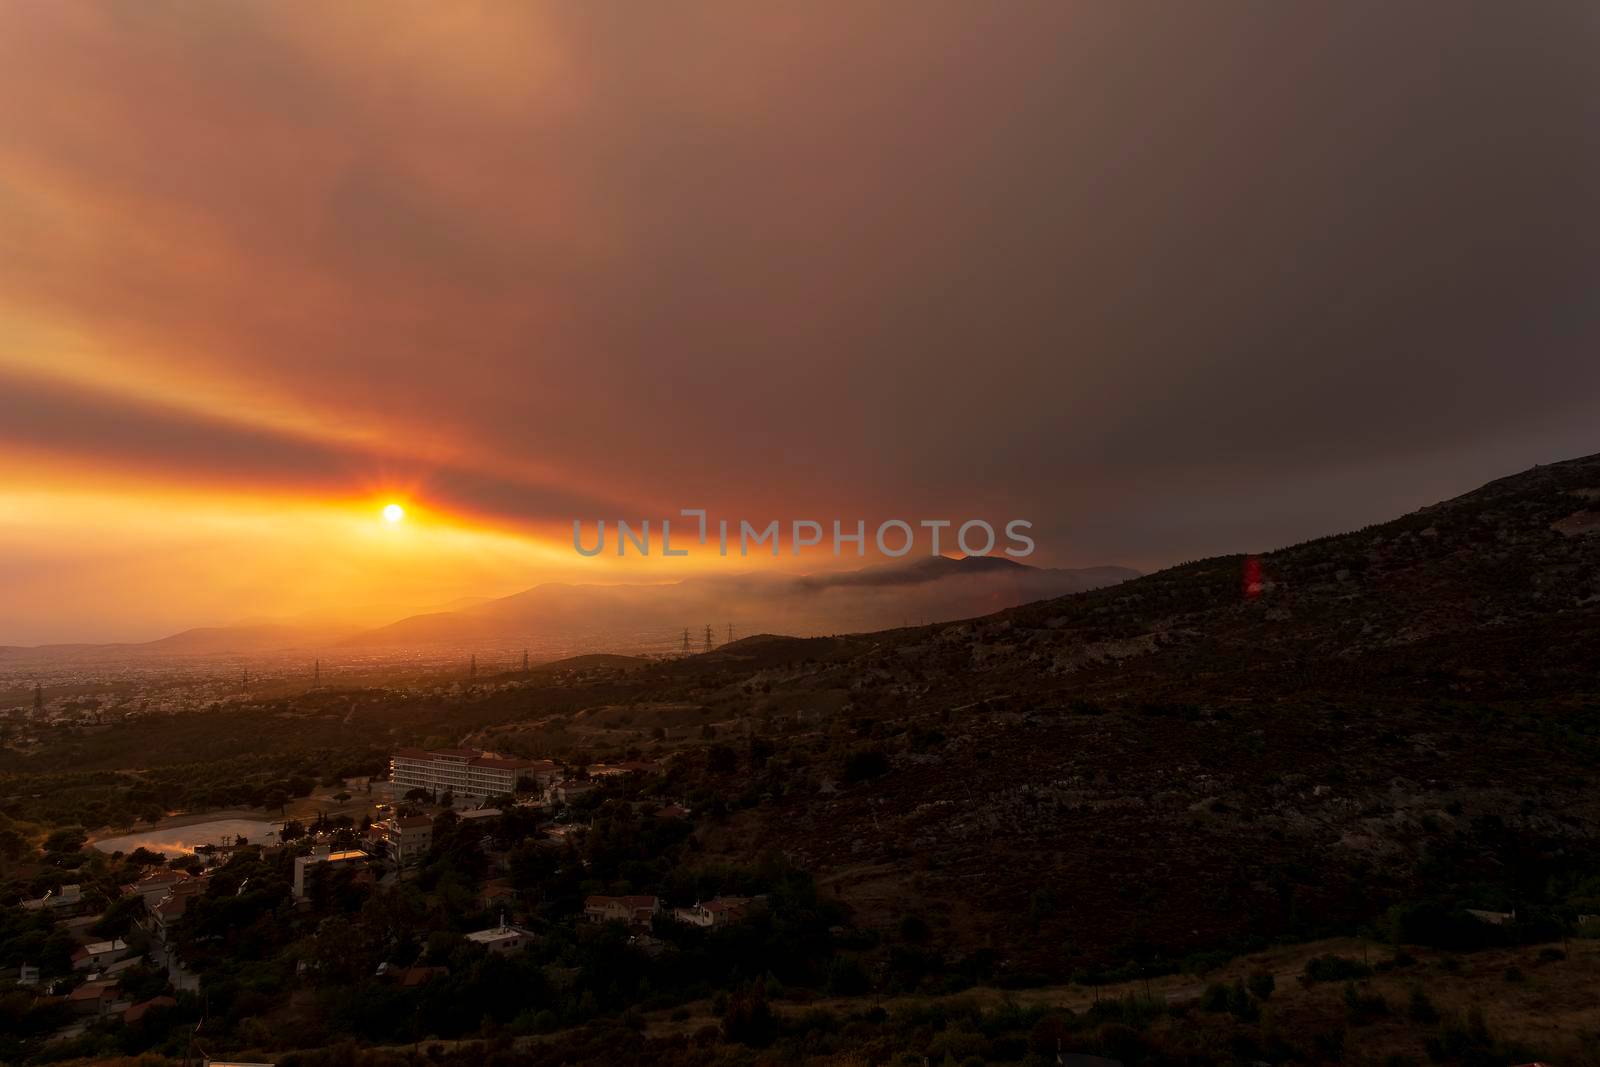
<point x="1166" y="281"/>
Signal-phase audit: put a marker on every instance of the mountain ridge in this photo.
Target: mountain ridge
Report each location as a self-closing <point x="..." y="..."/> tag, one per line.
<point x="484" y="619"/>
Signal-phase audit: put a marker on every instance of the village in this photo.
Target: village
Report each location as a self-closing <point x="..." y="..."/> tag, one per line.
<point x="463" y="792"/>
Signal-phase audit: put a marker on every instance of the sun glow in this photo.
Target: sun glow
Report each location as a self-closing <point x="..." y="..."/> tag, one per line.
<point x="393" y="513"/>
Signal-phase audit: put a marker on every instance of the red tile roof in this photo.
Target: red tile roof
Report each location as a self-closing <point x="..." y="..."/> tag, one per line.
<point x="415" y="976"/>
<point x="137" y="1011"/>
<point x="95" y="990"/>
<point x="502" y="762"/>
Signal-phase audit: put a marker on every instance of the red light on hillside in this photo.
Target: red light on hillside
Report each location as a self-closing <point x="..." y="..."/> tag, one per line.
<point x="1253" y="583"/>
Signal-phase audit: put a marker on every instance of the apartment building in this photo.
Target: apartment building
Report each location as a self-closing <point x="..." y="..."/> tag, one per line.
<point x="465" y="772"/>
<point x="409" y="838"/>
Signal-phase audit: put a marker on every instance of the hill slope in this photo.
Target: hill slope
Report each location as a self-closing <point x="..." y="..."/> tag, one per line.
<point x="1222" y="750"/>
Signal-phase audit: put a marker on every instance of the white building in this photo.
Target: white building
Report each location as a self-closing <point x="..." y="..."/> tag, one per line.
<point x="409" y="838"/>
<point x="97" y="953"/>
<point x="502" y="938"/>
<point x="718" y="912"/>
<point x="465" y="772"/>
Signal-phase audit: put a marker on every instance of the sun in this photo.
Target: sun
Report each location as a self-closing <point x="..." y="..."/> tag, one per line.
<point x="393" y="513"/>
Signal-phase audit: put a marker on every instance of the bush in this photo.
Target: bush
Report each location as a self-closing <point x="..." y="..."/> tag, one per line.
<point x="1364" y="1007"/>
<point x="914" y="930"/>
<point x="846" y="978"/>
<point x="1421" y="1009"/>
<point x="1466" y="1039"/>
<point x="1335" y="969"/>
<point x="864" y="764"/>
<point x="749" y="1019"/>
<point x="1262" y="984"/>
<point x="1241" y="1005"/>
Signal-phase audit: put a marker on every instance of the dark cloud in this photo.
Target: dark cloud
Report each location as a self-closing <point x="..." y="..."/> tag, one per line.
<point x="111" y="434"/>
<point x="1167" y="280"/>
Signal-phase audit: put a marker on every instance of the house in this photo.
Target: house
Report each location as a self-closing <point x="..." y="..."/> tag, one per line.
<point x="170" y="908"/>
<point x="634" y="911"/>
<point x="68" y="900"/>
<point x="111" y="970"/>
<point x="412" y="977"/>
<point x="93" y="998"/>
<point x="474" y="814"/>
<point x="543" y="773"/>
<point x="155" y="884"/>
<point x="719" y="911"/>
<point x="138" y="1011"/>
<point x="28" y="974"/>
<point x="87" y="957"/>
<point x="1494" y="918"/>
<point x="567" y="792"/>
<point x="408" y="838"/>
<point x="502" y="938"/>
<point x="497" y="893"/>
<point x="325" y="859"/>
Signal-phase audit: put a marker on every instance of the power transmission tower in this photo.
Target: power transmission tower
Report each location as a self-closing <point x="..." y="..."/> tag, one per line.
<point x="708" y="637"/>
<point x="524" y="661"/>
<point x="685" y="640"/>
<point x="38" y="700"/>
<point x="472" y="668"/>
<point x="730" y="633"/>
<point x="316" y="674"/>
<point x="244" y="681"/>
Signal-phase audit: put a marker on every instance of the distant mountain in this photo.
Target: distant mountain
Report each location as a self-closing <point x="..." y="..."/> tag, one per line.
<point x="879" y="597"/>
<point x="635" y="617"/>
